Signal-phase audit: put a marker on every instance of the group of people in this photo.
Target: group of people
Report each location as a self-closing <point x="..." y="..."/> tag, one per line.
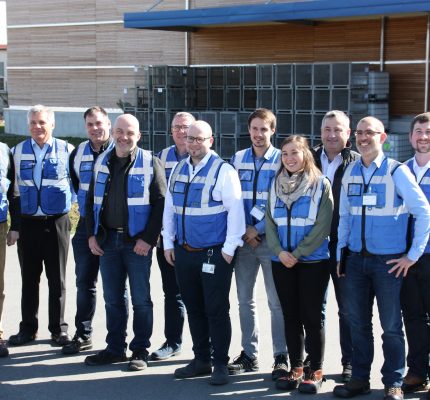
<point x="302" y="215"/>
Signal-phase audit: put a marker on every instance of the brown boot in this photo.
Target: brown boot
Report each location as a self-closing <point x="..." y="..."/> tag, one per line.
<point x="413" y="383"/>
<point x="312" y="382"/>
<point x="291" y="380"/>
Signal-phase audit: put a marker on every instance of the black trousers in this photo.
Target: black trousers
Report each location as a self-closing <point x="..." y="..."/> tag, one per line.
<point x="415" y="300"/>
<point x="43" y="242"/>
<point x="206" y="298"/>
<point x="301" y="291"/>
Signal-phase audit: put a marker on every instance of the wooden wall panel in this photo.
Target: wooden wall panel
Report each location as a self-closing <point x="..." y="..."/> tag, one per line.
<point x="406" y="89"/>
<point x="326" y="41"/>
<point x="405" y="38"/>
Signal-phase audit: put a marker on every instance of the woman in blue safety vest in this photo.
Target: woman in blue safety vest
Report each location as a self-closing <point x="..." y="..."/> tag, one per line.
<point x="298" y="218"/>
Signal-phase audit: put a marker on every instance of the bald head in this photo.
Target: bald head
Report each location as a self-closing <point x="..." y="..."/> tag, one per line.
<point x="200" y="126"/>
<point x="125" y="134"/>
<point x="128" y="119"/>
<point x="199" y="141"/>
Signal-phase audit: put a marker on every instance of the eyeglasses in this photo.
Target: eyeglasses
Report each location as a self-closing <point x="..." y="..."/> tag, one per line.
<point x="179" y="127"/>
<point x="368" y="133"/>
<point x="199" y="140"/>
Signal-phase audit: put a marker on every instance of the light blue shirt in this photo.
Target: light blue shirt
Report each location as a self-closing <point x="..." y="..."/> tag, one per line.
<point x="39" y="154"/>
<point x="415" y="200"/>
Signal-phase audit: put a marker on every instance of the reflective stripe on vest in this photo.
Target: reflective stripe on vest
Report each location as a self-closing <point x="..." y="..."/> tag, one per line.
<point x="425" y="186"/>
<point x="244" y="164"/>
<point x="4" y="181"/>
<point x="303" y="216"/>
<point x="386" y="222"/>
<point x="54" y="194"/>
<point x="200" y="220"/>
<point x="139" y="178"/>
<point x="83" y="165"/>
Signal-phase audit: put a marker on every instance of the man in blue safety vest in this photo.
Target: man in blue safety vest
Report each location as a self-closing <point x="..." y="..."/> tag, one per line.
<point x="174" y="309"/>
<point x="124" y="211"/>
<point x="203" y="224"/>
<point x="377" y="195"/>
<point x="81" y="166"/>
<point x="44" y="188"/>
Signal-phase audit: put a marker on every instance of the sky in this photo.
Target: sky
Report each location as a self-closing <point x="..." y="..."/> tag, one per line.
<point x="3" y="37"/>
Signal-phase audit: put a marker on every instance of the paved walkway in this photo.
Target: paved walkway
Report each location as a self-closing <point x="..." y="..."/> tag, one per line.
<point x="39" y="371"/>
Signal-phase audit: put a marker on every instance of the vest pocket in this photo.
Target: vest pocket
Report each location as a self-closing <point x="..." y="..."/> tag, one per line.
<point x="136" y="186"/>
<point x="53" y="199"/>
<point x="28" y="199"/>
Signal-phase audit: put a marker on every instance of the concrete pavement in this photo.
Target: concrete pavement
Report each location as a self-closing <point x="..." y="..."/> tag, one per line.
<point x="39" y="371"/>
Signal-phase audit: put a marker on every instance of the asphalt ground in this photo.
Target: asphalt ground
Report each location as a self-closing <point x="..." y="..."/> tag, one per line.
<point x="39" y="371"/>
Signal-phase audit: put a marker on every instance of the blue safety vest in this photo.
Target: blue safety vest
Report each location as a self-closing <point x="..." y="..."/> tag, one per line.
<point x="425" y="187"/>
<point x="169" y="159"/>
<point x="83" y="165"/>
<point x="295" y="223"/>
<point x="386" y="223"/>
<point x="139" y="177"/>
<point x="200" y="220"/>
<point x="54" y="195"/>
<point x="4" y="181"/>
<point x="255" y="182"/>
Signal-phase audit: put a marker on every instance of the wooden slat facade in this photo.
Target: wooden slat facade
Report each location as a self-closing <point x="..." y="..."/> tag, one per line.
<point x="112" y="45"/>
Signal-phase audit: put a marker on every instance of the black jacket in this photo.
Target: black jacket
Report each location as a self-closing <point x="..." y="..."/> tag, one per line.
<point x="348" y="156"/>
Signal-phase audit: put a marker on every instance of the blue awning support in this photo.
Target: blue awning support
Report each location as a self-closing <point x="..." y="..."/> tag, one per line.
<point x="299" y="11"/>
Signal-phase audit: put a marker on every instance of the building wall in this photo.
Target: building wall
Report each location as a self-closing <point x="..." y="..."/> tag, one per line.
<point x="80" y="65"/>
<point x="329" y="41"/>
<point x="87" y="57"/>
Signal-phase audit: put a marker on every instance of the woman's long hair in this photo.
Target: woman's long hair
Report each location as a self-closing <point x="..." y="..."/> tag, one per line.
<point x="309" y="166"/>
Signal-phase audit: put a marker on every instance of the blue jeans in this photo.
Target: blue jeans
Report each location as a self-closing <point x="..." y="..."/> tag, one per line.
<point x="86" y="270"/>
<point x="246" y="269"/>
<point x="367" y="278"/>
<point x="119" y="262"/>
<point x="174" y="309"/>
<point x="206" y="298"/>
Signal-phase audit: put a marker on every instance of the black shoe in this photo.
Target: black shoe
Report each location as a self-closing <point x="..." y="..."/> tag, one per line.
<point x="219" y="375"/>
<point x="165" y="351"/>
<point x="353" y="388"/>
<point x="413" y="383"/>
<point x="194" y="368"/>
<point x="4" y="352"/>
<point x="104" y="357"/>
<point x="61" y="339"/>
<point x="243" y="363"/>
<point x="346" y="372"/>
<point x="393" y="393"/>
<point x="138" y="361"/>
<point x="280" y="367"/>
<point x="21" y="338"/>
<point x="76" y="345"/>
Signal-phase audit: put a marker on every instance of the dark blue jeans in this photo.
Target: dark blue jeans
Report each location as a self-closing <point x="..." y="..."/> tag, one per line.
<point x="415" y="300"/>
<point x="119" y="262"/>
<point x="174" y="309"/>
<point x="86" y="270"/>
<point x="206" y="298"/>
<point x="367" y="278"/>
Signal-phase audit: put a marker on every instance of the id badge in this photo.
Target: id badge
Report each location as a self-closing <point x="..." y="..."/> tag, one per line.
<point x="257" y="213"/>
<point x="208" y="268"/>
<point x="369" y="199"/>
